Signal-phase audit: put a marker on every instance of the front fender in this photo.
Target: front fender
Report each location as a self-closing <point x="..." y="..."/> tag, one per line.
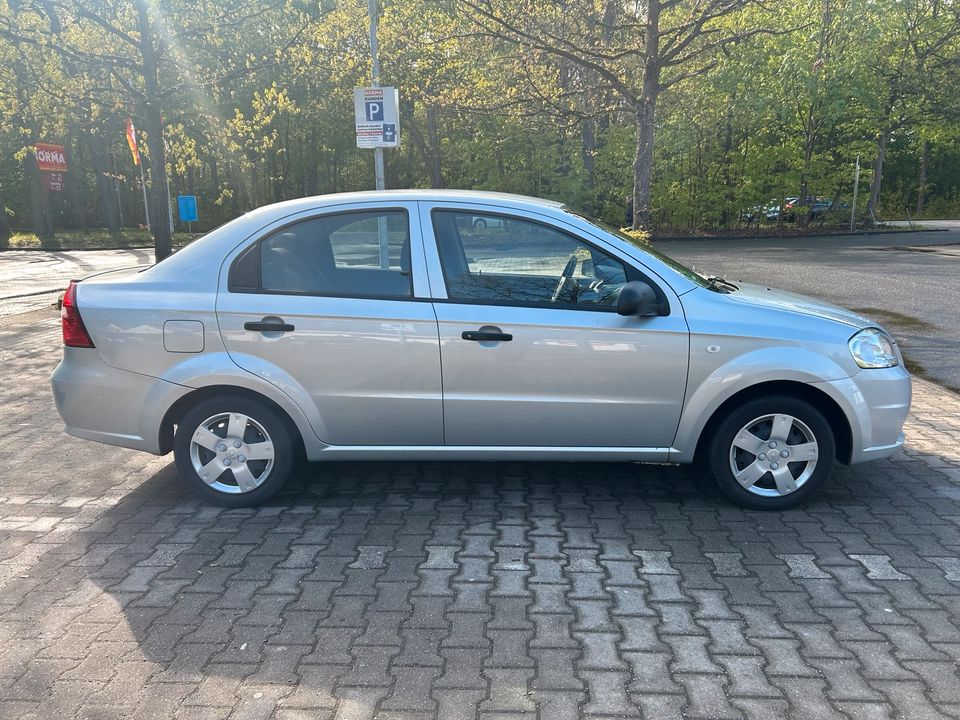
<point x="220" y="368"/>
<point x="708" y="389"/>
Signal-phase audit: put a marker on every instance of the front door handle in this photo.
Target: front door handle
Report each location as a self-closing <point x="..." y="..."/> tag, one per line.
<point x="486" y="335"/>
<point x="274" y="326"/>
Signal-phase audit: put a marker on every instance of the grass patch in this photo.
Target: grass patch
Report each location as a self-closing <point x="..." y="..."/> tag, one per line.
<point x="788" y="230"/>
<point x="919" y="371"/>
<point x="90" y="240"/>
<point x="897" y="320"/>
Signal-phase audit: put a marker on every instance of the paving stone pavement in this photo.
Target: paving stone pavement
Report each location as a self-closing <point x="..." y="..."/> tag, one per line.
<point x="444" y="590"/>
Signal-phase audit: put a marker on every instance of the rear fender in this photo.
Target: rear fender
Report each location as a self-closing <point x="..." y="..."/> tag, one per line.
<point x="219" y="368"/>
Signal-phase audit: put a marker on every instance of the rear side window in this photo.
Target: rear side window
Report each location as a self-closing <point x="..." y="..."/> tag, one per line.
<point x="361" y="254"/>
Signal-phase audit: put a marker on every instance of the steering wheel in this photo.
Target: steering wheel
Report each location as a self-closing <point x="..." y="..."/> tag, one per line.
<point x="565" y="277"/>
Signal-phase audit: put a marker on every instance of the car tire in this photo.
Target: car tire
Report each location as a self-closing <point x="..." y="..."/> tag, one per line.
<point x="234" y="451"/>
<point x="479" y="224"/>
<point x="784" y="442"/>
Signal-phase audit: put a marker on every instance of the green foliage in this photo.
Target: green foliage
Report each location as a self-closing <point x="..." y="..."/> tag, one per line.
<point x="258" y="106"/>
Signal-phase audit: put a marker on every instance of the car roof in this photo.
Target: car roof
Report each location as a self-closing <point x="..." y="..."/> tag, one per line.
<point x="412" y="195"/>
<point x="192" y="263"/>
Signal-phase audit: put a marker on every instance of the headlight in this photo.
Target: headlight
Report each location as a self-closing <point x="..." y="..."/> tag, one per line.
<point x="873" y="348"/>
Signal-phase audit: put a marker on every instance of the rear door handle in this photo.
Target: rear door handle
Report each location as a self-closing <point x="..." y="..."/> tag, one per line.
<point x="486" y="336"/>
<point x="268" y="326"/>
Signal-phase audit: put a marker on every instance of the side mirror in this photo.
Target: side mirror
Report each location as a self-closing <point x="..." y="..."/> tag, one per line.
<point x="638" y="299"/>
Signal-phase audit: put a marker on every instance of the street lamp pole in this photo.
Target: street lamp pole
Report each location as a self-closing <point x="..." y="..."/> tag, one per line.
<point x="374" y="56"/>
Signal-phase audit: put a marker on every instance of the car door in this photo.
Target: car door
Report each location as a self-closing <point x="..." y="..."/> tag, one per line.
<point x="533" y="351"/>
<point x="333" y="308"/>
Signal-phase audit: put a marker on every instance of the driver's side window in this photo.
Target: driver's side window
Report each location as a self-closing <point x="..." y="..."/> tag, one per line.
<point x="509" y="260"/>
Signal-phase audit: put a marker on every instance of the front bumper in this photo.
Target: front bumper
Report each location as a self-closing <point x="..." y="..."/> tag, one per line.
<point x="876" y="402"/>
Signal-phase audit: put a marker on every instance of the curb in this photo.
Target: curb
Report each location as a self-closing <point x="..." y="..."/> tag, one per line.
<point x="36" y="293"/>
<point x="86" y="249"/>
<point x="795" y="237"/>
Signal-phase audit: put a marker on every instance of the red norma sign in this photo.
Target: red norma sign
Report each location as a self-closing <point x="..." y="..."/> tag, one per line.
<point x="50" y="158"/>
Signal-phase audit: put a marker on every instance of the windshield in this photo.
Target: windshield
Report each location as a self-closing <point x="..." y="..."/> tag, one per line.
<point x="691" y="275"/>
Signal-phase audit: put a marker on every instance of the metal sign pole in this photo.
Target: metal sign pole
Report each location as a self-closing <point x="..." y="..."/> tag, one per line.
<point x="169" y="207"/>
<point x="116" y="187"/>
<point x="375" y="58"/>
<point x="166" y="151"/>
<point x="146" y="205"/>
<point x="378" y="169"/>
<point x="856" y="184"/>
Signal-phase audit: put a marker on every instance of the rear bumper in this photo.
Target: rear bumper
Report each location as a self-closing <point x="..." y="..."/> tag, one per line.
<point x="877" y="403"/>
<point x="103" y="403"/>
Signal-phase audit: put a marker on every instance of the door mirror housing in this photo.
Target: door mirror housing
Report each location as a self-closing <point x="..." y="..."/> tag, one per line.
<point x="638" y="299"/>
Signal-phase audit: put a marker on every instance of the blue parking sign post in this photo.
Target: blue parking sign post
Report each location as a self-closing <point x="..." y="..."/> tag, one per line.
<point x="187" y="210"/>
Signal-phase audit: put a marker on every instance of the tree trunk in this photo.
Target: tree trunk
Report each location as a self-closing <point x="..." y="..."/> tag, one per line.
<point x="5" y="231"/>
<point x="644" y="111"/>
<point x="433" y="137"/>
<point x="312" y="179"/>
<point x="75" y="189"/>
<point x="39" y="201"/>
<point x="922" y="187"/>
<point x="153" y="123"/>
<point x="729" y="212"/>
<point x="588" y="137"/>
<point x="105" y="183"/>
<point x="874" y="201"/>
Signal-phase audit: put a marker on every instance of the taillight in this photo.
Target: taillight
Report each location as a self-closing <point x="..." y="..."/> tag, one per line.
<point x="74" y="333"/>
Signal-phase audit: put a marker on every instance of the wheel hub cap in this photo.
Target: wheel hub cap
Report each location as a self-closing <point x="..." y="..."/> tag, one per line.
<point x="232" y="453"/>
<point x="773" y="455"/>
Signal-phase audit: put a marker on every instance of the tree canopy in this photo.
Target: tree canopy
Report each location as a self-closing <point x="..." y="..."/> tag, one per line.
<point x="691" y="111"/>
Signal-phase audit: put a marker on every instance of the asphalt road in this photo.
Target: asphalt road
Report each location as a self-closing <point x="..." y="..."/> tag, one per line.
<point x="33" y="278"/>
<point x="909" y="282"/>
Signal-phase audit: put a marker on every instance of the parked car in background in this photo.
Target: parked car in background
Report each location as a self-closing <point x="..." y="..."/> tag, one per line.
<point x="392" y="325"/>
<point x="768" y="211"/>
<point x="482" y="223"/>
<point x="821" y="207"/>
<point x="813" y="206"/>
<point x="773" y="211"/>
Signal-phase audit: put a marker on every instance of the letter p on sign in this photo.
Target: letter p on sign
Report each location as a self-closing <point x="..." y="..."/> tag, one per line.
<point x="374" y="111"/>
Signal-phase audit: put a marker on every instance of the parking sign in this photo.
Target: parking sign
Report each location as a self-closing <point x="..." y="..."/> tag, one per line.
<point x="377" y="117"/>
<point x="374" y="110"/>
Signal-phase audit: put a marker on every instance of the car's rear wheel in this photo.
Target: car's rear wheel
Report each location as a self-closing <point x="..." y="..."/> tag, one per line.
<point x="772" y="453"/>
<point x="234" y="451"/>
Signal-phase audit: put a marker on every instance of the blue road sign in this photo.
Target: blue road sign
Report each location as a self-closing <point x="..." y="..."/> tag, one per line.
<point x="187" y="208"/>
<point x="389" y="132"/>
<point x="374" y="111"/>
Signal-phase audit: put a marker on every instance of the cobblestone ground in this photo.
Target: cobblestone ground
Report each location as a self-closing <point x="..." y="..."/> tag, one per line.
<point x="424" y="590"/>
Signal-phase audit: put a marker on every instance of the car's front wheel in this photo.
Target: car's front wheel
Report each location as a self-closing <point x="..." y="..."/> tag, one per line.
<point x="772" y="453"/>
<point x="234" y="451"/>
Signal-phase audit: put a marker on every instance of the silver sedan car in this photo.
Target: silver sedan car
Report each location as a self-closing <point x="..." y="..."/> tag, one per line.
<point x="395" y="325"/>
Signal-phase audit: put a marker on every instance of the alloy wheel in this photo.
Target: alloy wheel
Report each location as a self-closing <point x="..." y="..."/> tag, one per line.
<point x="232" y="453"/>
<point x="774" y="455"/>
